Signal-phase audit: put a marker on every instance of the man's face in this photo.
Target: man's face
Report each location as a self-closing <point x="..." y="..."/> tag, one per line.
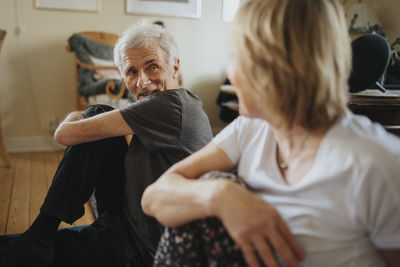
<point x="147" y="71"/>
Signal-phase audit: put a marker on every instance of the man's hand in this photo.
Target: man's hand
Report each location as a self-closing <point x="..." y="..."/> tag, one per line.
<point x="257" y="227"/>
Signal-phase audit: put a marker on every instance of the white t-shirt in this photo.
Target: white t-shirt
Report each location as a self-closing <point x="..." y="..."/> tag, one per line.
<point x="349" y="201"/>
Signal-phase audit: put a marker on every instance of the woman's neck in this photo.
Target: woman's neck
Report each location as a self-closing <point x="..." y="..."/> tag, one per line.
<point x="296" y="150"/>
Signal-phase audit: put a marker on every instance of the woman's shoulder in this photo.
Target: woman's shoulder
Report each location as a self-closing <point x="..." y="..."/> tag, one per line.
<point x="360" y="131"/>
<point x="366" y="144"/>
<point x="247" y="123"/>
<point x="244" y="129"/>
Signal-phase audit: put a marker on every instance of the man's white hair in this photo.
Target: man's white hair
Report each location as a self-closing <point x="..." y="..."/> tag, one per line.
<point x="140" y="35"/>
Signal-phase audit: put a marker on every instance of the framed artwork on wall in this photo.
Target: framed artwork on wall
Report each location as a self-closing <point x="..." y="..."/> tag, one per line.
<point x="171" y="8"/>
<point x="69" y="5"/>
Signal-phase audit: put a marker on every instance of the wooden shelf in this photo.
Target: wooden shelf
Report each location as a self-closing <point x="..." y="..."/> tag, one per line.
<point x="380" y="107"/>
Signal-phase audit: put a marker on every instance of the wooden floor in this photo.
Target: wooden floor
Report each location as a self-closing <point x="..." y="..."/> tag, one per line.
<point x="23" y="188"/>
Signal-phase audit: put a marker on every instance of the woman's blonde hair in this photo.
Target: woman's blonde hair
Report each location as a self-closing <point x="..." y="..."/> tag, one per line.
<point x="295" y="57"/>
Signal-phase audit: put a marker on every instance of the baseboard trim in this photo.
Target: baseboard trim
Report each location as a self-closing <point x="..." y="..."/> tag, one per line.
<point x="31" y="144"/>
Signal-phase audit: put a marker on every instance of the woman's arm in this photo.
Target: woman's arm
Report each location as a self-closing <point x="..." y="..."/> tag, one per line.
<point x="76" y="130"/>
<point x="177" y="198"/>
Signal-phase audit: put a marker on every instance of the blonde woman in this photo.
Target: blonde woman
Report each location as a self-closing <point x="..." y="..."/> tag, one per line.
<point x="323" y="185"/>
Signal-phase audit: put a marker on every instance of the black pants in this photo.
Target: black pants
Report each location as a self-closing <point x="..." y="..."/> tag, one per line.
<point x="95" y="166"/>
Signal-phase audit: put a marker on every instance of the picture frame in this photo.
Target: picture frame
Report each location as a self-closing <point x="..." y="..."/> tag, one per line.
<point x="171" y="8"/>
<point x="93" y="6"/>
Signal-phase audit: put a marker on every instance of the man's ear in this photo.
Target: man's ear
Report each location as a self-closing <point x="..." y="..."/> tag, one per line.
<point x="176" y="68"/>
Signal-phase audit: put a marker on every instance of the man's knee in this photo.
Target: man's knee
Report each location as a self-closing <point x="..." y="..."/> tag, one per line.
<point x="96" y="109"/>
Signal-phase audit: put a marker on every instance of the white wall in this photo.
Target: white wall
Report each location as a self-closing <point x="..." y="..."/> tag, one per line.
<point x="36" y="72"/>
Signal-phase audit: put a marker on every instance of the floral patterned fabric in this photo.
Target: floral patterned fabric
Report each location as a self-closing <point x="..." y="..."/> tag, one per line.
<point x="200" y="243"/>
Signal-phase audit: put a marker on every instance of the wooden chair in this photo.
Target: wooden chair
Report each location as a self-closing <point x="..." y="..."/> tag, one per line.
<point x="102" y="38"/>
<point x="2" y="146"/>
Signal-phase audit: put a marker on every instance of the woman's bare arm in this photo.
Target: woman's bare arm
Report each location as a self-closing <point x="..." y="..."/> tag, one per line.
<point x="177" y="198"/>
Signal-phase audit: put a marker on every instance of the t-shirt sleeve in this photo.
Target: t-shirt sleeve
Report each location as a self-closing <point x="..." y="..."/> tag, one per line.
<point x="378" y="204"/>
<point x="156" y="119"/>
<point x="228" y="140"/>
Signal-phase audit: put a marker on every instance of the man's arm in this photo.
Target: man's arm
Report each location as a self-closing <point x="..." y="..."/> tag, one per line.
<point x="177" y="198"/>
<point x="76" y="130"/>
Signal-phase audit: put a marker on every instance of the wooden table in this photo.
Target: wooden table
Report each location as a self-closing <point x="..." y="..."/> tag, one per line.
<point x="380" y="107"/>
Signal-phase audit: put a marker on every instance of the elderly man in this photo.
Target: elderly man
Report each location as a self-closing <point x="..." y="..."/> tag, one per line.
<point x="167" y="125"/>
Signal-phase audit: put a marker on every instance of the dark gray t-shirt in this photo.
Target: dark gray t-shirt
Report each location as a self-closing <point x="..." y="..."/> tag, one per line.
<point x="168" y="126"/>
